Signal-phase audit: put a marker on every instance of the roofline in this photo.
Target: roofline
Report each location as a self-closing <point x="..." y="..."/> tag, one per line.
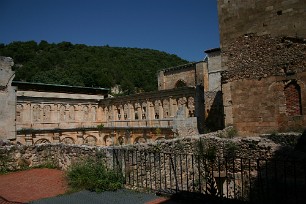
<point x="212" y="50"/>
<point x="58" y="85"/>
<point x="180" y="66"/>
<point x="59" y="88"/>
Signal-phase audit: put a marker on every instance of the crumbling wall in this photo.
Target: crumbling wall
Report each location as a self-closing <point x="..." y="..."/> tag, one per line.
<point x="259" y="68"/>
<point x="7" y="99"/>
<point x="263" y="52"/>
<point x="265" y="147"/>
<point x="258" y="57"/>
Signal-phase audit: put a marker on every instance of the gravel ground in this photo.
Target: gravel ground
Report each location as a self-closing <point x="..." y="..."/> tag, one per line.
<point x="119" y="196"/>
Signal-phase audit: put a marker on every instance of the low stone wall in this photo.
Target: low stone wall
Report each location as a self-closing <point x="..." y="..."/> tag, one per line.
<point x="265" y="147"/>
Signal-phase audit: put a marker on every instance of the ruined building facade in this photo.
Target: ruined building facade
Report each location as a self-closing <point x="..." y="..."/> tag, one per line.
<point x="45" y="113"/>
<point x="256" y="82"/>
<point x="264" y="64"/>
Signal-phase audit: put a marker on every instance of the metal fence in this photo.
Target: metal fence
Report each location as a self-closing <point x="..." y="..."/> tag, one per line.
<point x="251" y="180"/>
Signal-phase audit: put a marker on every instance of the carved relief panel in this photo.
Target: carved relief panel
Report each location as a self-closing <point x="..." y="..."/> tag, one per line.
<point x="47" y="113"/>
<point x="19" y="113"/>
<point x="166" y="107"/>
<point x="85" y="113"/>
<point x="62" y="113"/>
<point x="71" y="114"/>
<point x="36" y="113"/>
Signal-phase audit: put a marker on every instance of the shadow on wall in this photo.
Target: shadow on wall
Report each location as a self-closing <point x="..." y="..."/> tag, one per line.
<point x="283" y="178"/>
<point x="215" y="115"/>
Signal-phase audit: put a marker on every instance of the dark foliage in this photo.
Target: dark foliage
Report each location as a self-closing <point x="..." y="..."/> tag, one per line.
<point x="94" y="176"/>
<point x="64" y="63"/>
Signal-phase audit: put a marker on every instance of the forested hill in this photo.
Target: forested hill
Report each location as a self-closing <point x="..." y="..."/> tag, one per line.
<point x="64" y="63"/>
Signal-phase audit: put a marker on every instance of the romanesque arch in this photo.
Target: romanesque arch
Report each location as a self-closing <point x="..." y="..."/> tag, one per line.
<point x="108" y="141"/>
<point x="90" y="140"/>
<point x="139" y="140"/>
<point x="42" y="141"/>
<point x="292" y="93"/>
<point x="180" y="83"/>
<point x="68" y="140"/>
<point x="121" y="140"/>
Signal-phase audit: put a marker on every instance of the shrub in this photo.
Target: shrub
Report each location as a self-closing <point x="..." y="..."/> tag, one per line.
<point x="94" y="176"/>
<point x="231" y="150"/>
<point x="232" y="132"/>
<point x="100" y="127"/>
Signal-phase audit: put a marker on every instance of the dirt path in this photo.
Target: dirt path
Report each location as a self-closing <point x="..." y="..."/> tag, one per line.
<point x="29" y="185"/>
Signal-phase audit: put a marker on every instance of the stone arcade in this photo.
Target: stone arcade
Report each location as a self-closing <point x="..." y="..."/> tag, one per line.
<point x="46" y="113"/>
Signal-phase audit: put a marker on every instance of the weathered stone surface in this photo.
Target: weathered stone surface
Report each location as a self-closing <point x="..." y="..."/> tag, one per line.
<point x="262" y="17"/>
<point x="264" y="61"/>
<point x="257" y="57"/>
<point x="265" y="147"/>
<point x="7" y="99"/>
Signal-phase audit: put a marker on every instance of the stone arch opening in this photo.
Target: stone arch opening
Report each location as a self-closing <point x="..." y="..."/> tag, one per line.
<point x="180" y="83"/>
<point x="292" y="93"/>
<point x="121" y="140"/>
<point x="139" y="140"/>
<point x="90" y="140"/>
<point x="108" y="140"/>
<point x="67" y="140"/>
<point x="42" y="141"/>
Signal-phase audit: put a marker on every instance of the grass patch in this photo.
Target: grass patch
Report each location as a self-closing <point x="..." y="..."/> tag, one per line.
<point x="94" y="176"/>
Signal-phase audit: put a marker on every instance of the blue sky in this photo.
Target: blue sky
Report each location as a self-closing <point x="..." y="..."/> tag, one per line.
<point x="182" y="27"/>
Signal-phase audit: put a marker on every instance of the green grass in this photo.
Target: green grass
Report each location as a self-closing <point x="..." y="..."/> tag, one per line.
<point x="93" y="175"/>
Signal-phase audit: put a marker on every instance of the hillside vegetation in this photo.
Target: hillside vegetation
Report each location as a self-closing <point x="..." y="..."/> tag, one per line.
<point x="64" y="63"/>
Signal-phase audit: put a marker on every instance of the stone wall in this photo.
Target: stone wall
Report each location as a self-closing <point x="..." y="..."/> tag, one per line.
<point x="122" y="120"/>
<point x="214" y="69"/>
<point x="274" y="17"/>
<point x="255" y="85"/>
<point x="257" y="57"/>
<point x="171" y="78"/>
<point x="7" y="99"/>
<point x="264" y="63"/>
<point x="265" y="147"/>
<point x="214" y="114"/>
<point x="191" y="163"/>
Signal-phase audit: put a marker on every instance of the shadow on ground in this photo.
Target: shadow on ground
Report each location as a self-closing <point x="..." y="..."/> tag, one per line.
<point x="185" y="197"/>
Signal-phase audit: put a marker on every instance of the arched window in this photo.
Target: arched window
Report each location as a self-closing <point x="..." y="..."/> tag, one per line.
<point x="180" y="83"/>
<point x="293" y="99"/>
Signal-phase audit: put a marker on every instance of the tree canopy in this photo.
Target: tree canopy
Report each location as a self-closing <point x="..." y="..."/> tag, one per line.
<point x="133" y="69"/>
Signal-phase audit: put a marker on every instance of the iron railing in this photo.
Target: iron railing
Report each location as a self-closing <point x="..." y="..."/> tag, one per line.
<point x="251" y="180"/>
